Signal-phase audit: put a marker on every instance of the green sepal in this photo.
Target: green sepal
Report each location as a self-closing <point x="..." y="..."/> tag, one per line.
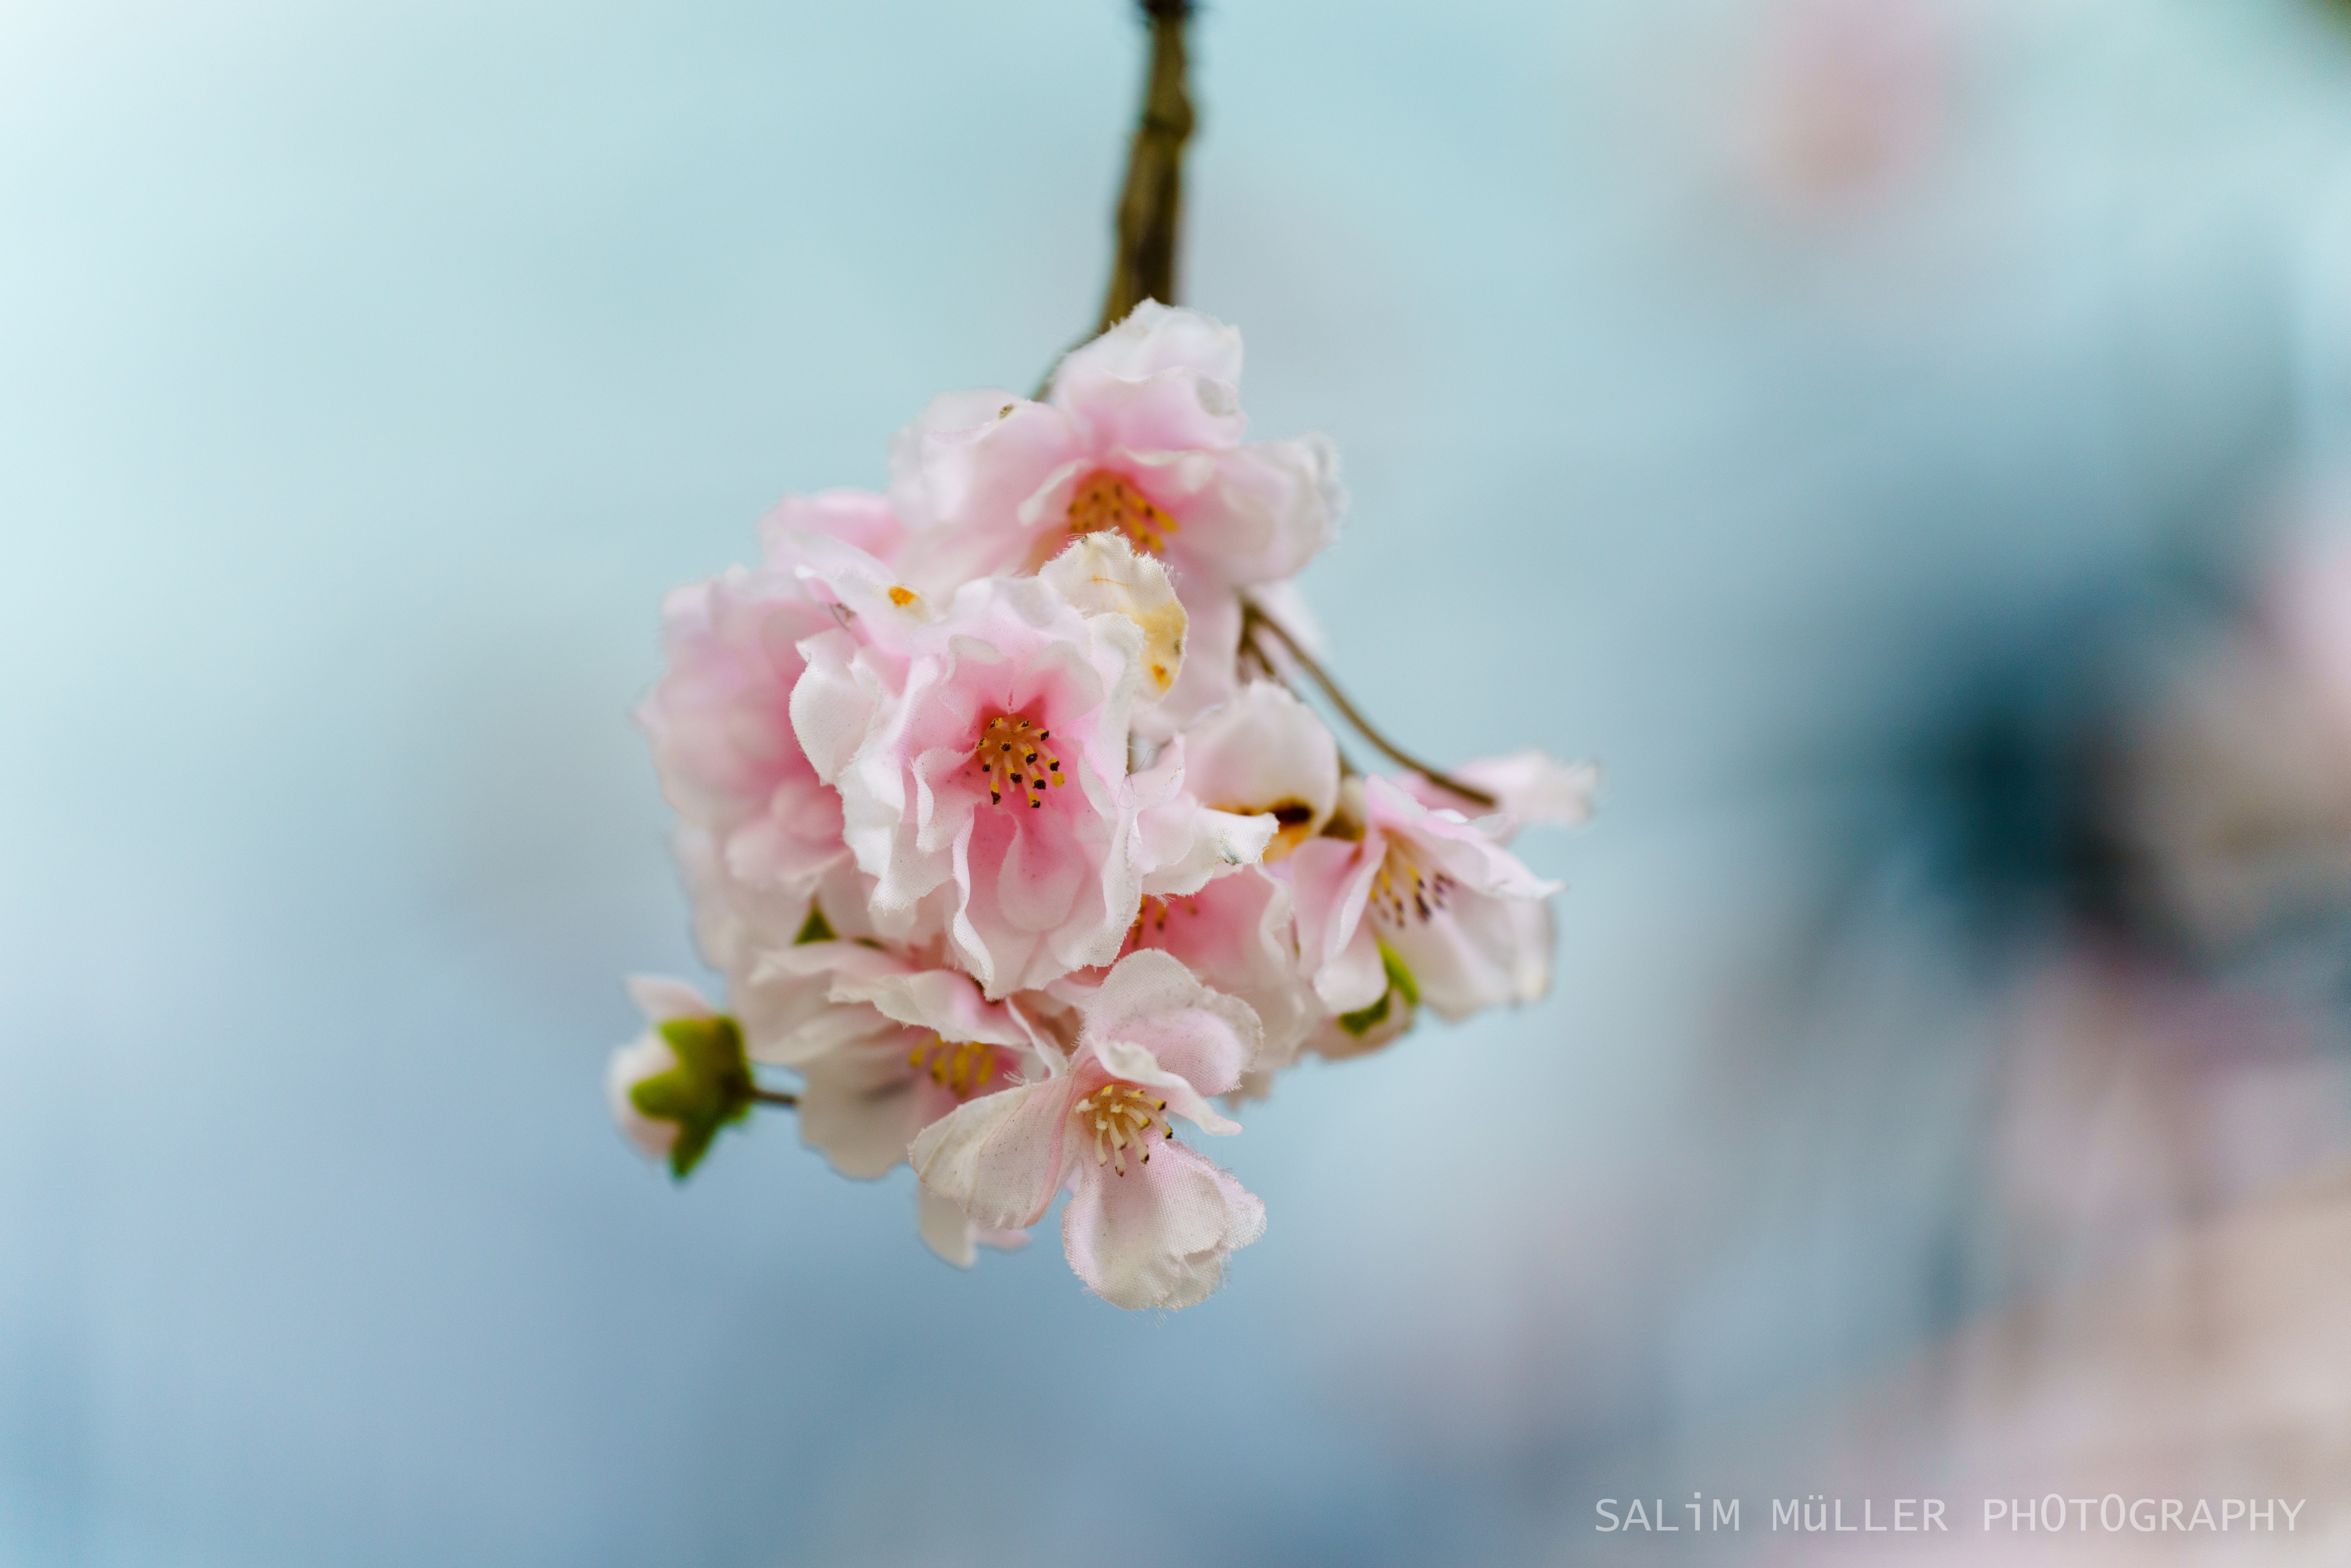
<point x="710" y="1086"/>
<point x="1399" y="977"/>
<point x="815" y="929"/>
<point x="1363" y="1020"/>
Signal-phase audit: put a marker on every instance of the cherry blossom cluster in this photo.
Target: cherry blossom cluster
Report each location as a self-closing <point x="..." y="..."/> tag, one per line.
<point x="1012" y="839"/>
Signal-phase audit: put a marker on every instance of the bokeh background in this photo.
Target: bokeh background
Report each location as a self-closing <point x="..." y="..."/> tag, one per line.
<point x="1903" y="440"/>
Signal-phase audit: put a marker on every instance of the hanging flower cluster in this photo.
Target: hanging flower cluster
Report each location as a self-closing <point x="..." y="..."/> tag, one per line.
<point x="1013" y="841"/>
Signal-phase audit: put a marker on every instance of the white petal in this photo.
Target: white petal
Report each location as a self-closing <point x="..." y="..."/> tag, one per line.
<point x="661" y="998"/>
<point x="1100" y="574"/>
<point x="833" y="703"/>
<point x="1178" y="843"/>
<point x="1157" y="1236"/>
<point x="1153" y="1022"/>
<point x="857" y="1105"/>
<point x="1155" y="339"/>
<point x="1263" y="751"/>
<point x="998" y="1158"/>
<point x="943" y="1228"/>
<point x="1477" y="952"/>
<point x="1530" y="787"/>
<point x="946" y="1232"/>
<point x="647" y="1056"/>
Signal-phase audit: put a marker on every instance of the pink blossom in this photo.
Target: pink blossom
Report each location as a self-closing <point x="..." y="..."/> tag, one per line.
<point x="1149" y="1222"/>
<point x="758" y="838"/>
<point x="896" y="1045"/>
<point x="1263" y="751"/>
<point x="995" y="848"/>
<point x="1140" y="434"/>
<point x="985" y="789"/>
<point x="1183" y="842"/>
<point x="720" y="720"/>
<point x="1236" y="933"/>
<point x="1425" y="904"/>
<point x="738" y="927"/>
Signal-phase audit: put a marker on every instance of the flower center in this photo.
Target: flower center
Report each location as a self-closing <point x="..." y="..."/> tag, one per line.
<point x="962" y="1070"/>
<point x="1105" y="500"/>
<point x="1120" y="1114"/>
<point x="1400" y="893"/>
<point x="1009" y="753"/>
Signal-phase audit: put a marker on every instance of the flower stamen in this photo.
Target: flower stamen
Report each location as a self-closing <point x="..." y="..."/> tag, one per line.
<point x="1119" y="1114"/>
<point x="1400" y="893"/>
<point x="1105" y="501"/>
<point x="963" y="1068"/>
<point x="1008" y="754"/>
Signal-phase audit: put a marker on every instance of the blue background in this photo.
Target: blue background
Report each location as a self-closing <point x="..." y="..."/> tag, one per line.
<point x="367" y="371"/>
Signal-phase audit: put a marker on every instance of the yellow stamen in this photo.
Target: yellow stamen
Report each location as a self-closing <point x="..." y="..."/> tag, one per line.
<point x="1120" y="1114"/>
<point x="1107" y="500"/>
<point x="962" y="1068"/>
<point x="1011" y="756"/>
<point x="1400" y="892"/>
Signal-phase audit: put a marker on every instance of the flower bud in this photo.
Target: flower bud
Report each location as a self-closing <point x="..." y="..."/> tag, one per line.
<point x="674" y="1086"/>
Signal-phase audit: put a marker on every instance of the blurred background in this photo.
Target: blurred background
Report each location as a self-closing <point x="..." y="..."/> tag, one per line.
<point x="1908" y="442"/>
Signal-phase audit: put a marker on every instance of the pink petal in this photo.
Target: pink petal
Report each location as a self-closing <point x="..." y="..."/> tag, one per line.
<point x="1157" y="1236"/>
<point x="998" y="1158"/>
<point x="1152" y="1021"/>
<point x="858" y="1104"/>
<point x="857" y="518"/>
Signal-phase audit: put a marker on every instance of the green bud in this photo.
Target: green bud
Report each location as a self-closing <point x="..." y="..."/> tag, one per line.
<point x="710" y="1087"/>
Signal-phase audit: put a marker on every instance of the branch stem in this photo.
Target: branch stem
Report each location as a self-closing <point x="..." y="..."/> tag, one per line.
<point x="1151" y="204"/>
<point x="1253" y="620"/>
<point x="781" y="1097"/>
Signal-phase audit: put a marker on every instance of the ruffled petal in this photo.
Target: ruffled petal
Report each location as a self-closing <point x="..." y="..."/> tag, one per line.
<point x="1157" y="1236"/>
<point x="1529" y="789"/>
<point x="1152" y="1022"/>
<point x="1277" y="505"/>
<point x="1265" y="751"/>
<point x="858" y="1104"/>
<point x="833" y="703"/>
<point x="959" y="475"/>
<point x="998" y="1158"/>
<point x="942" y="1001"/>
<point x="1155" y="337"/>
<point x="1100" y="573"/>
<point x="1477" y="952"/>
<point x="1333" y="880"/>
<point x="1236" y="934"/>
<point x="1178" y="843"/>
<point x="857" y="518"/>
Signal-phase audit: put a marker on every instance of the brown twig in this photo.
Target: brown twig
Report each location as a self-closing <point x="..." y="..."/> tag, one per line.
<point x="1151" y="205"/>
<point x="782" y="1097"/>
<point x="1150" y="218"/>
<point x="1253" y="618"/>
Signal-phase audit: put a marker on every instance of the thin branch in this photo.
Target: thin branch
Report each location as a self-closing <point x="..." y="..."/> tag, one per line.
<point x="782" y="1097"/>
<point x="1150" y="217"/>
<point x="1252" y="617"/>
<point x="1151" y="206"/>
